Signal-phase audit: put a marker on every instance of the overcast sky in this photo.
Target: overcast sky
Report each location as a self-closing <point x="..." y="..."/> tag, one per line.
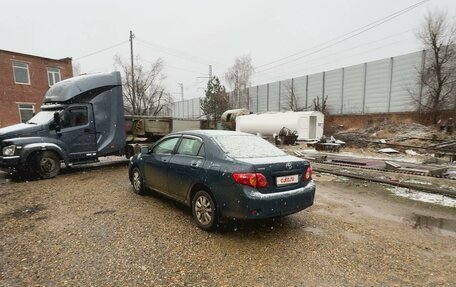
<point x="190" y="35"/>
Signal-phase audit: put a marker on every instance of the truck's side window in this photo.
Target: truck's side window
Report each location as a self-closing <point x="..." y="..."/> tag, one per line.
<point x="73" y="117"/>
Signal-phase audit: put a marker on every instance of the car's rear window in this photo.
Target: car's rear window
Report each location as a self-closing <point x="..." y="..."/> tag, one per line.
<point x="246" y="146"/>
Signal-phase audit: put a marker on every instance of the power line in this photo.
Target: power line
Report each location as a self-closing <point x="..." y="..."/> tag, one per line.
<point x="342" y="51"/>
<point x="346" y="57"/>
<point x="177" y="68"/>
<point x="141" y="43"/>
<point x="102" y="50"/>
<point x="177" y="53"/>
<point x="184" y="69"/>
<point x="344" y="37"/>
<point x="373" y="24"/>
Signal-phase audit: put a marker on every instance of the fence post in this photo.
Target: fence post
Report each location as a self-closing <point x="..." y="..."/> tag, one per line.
<point x="342" y="92"/>
<point x="280" y="92"/>
<point x="248" y="98"/>
<point x="323" y="88"/>
<point x="307" y="92"/>
<point x="258" y="87"/>
<point x="292" y="96"/>
<point x="178" y="109"/>
<point x="188" y="108"/>
<point x="390" y="83"/>
<point x="364" y="87"/>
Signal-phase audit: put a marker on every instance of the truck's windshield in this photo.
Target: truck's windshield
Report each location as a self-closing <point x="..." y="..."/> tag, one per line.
<point x="42" y="117"/>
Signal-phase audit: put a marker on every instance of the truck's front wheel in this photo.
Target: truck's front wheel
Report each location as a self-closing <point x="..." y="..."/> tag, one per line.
<point x="46" y="164"/>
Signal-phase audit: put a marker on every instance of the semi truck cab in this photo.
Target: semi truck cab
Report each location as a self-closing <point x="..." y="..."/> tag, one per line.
<point x="81" y="119"/>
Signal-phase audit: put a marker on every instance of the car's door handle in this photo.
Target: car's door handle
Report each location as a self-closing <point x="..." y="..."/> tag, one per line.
<point x="164" y="160"/>
<point x="194" y="164"/>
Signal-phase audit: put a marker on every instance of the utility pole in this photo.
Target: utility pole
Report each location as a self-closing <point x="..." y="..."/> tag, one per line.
<point x="182" y="90"/>
<point x="238" y="91"/>
<point x="209" y="76"/>
<point x="132" y="66"/>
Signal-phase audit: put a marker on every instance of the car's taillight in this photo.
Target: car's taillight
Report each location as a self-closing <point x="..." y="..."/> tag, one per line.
<point x="256" y="180"/>
<point x="308" y="174"/>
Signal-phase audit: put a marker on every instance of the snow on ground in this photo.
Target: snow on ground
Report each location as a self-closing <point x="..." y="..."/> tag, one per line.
<point x="423" y="196"/>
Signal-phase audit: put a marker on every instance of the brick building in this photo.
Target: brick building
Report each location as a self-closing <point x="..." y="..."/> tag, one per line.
<point x="24" y="79"/>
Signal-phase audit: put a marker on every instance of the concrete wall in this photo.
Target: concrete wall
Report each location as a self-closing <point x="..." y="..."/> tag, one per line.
<point x="375" y="87"/>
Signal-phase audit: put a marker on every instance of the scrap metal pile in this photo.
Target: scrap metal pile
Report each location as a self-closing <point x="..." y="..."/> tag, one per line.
<point x="412" y="139"/>
<point x="327" y="144"/>
<point x="286" y="137"/>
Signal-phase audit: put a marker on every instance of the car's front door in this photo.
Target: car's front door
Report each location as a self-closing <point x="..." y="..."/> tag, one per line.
<point x="157" y="163"/>
<point x="185" y="166"/>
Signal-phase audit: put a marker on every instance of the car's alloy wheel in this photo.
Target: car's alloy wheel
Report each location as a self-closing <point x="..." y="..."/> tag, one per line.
<point x="204" y="210"/>
<point x="137" y="181"/>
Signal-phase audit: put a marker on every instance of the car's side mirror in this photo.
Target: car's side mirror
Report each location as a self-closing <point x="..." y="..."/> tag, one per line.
<point x="145" y="149"/>
<point x="56" y="122"/>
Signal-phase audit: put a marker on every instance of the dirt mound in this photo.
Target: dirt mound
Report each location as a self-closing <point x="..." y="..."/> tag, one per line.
<point x="354" y="137"/>
<point x="412" y="134"/>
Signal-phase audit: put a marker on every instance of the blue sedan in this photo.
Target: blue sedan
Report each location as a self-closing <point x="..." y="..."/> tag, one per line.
<point x="224" y="175"/>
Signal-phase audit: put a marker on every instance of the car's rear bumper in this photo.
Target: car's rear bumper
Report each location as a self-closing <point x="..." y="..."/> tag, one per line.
<point x="256" y="205"/>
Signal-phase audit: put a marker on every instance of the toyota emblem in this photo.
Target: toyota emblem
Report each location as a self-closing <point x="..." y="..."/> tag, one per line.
<point x="288" y="165"/>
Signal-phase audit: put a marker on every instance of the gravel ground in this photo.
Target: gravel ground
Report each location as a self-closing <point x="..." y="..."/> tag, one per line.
<point x="87" y="228"/>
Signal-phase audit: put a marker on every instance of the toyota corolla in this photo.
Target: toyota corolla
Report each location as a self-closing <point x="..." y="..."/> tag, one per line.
<point x="224" y="175"/>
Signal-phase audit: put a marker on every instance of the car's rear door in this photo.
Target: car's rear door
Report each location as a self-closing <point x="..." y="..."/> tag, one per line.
<point x="156" y="165"/>
<point x="185" y="166"/>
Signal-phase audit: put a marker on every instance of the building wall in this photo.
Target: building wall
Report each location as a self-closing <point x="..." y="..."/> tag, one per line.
<point x="11" y="93"/>
<point x="381" y="86"/>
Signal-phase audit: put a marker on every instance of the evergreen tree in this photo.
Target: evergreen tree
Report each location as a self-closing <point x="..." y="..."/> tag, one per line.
<point x="216" y="100"/>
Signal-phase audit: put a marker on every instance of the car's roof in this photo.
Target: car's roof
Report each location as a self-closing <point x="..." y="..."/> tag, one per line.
<point x="212" y="133"/>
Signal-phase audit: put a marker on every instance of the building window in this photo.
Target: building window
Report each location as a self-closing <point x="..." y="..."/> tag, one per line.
<point x="53" y="76"/>
<point x="26" y="112"/>
<point x="21" y="73"/>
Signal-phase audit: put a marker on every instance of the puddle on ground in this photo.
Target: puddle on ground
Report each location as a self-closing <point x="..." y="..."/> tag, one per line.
<point x="444" y="226"/>
<point x="423" y="196"/>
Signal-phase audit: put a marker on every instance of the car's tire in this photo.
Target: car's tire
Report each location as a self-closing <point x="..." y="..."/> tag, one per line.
<point x="205" y="211"/>
<point x="45" y="164"/>
<point x="137" y="181"/>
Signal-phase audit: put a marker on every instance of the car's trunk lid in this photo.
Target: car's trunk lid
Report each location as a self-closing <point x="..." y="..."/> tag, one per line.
<point x="282" y="172"/>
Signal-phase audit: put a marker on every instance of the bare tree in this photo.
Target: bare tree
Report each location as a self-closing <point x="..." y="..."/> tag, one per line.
<point x="289" y="99"/>
<point x="321" y="104"/>
<point x="239" y="78"/>
<point x="438" y="78"/>
<point x="149" y="97"/>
